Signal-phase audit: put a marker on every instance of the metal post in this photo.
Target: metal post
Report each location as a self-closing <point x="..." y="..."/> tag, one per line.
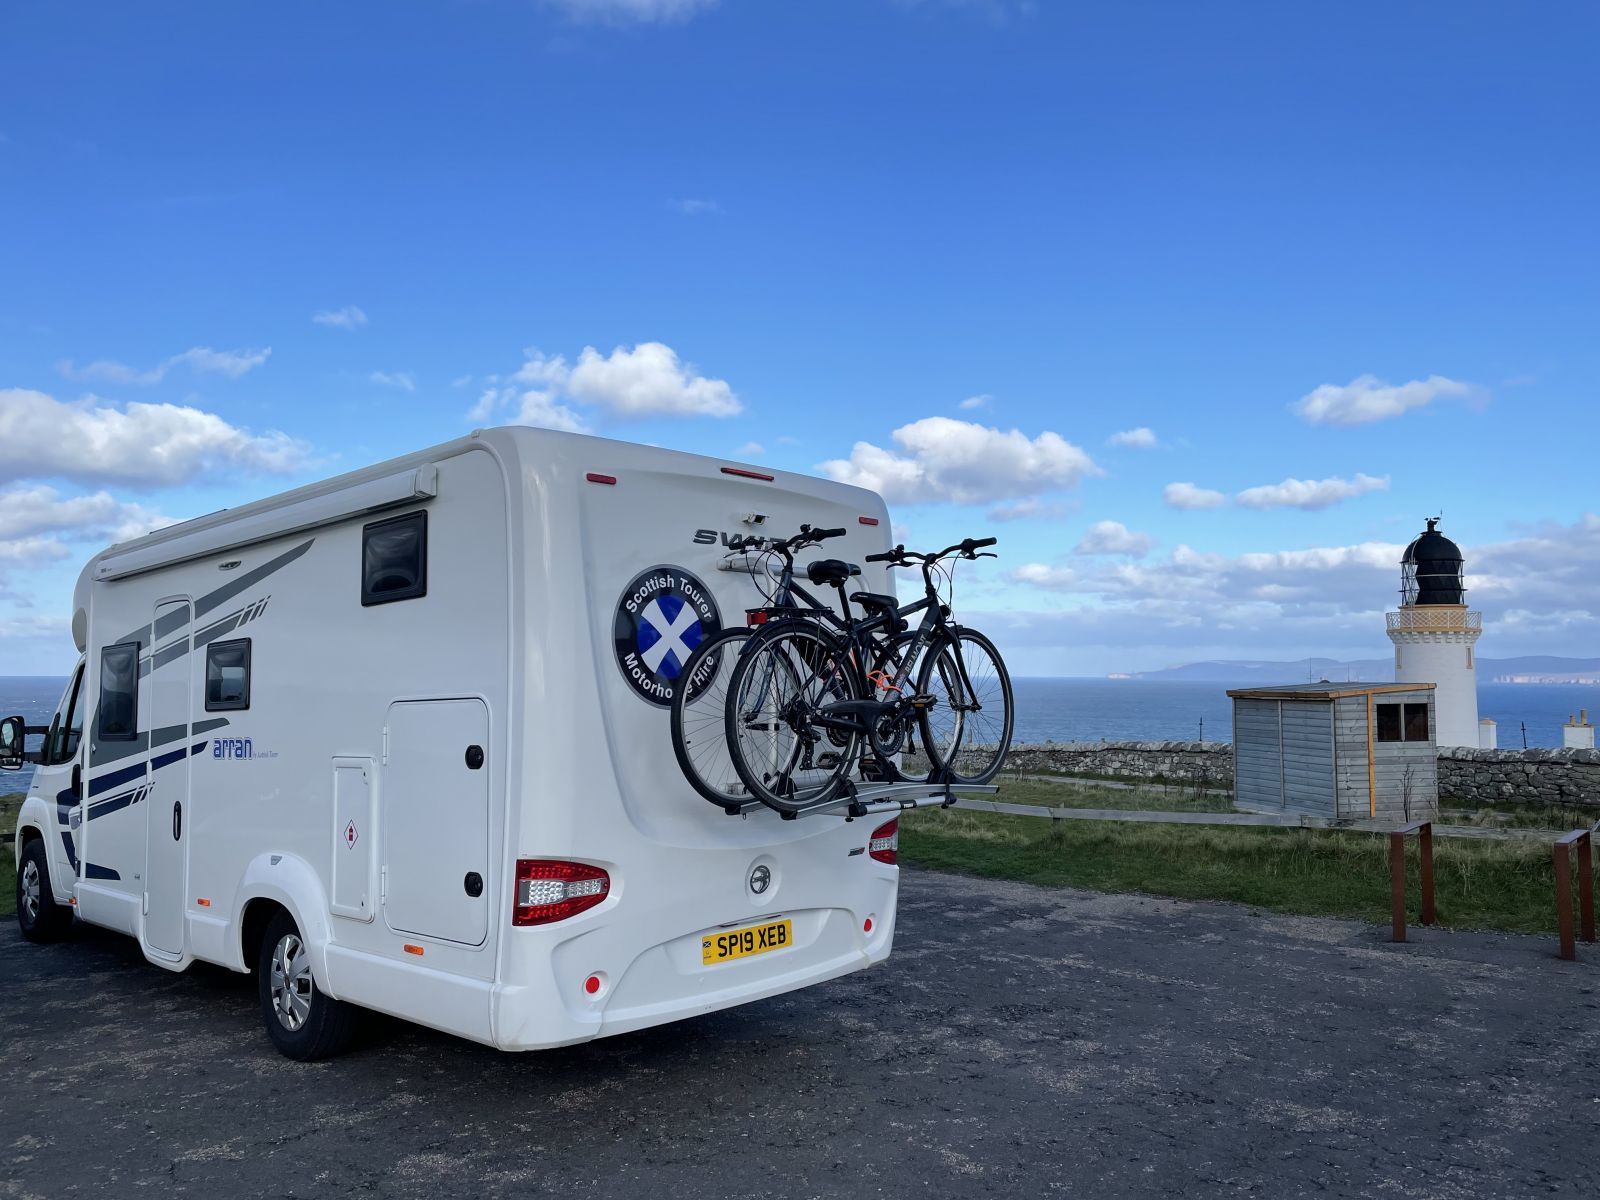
<point x="1425" y="848"/>
<point x="1563" y="867"/>
<point x="1397" y="884"/>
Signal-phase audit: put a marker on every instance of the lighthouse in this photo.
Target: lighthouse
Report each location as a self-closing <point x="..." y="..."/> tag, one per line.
<point x="1434" y="634"/>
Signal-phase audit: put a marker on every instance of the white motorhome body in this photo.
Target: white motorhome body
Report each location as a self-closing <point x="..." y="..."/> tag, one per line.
<point x="363" y="703"/>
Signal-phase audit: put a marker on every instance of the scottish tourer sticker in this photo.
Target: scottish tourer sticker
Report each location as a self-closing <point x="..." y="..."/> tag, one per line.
<point x="662" y="616"/>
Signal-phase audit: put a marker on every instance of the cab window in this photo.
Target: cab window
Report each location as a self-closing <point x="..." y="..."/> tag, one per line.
<point x="66" y="729"/>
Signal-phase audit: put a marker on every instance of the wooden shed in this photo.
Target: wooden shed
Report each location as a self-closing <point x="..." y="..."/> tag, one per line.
<point x="1340" y="750"/>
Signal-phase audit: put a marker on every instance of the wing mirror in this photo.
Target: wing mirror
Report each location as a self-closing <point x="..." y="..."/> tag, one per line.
<point x="13" y="730"/>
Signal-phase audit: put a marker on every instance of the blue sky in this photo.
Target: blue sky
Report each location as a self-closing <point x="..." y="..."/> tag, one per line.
<point x="1352" y="247"/>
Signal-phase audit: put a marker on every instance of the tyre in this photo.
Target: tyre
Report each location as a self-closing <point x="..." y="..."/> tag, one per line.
<point x="38" y="914"/>
<point x="303" y="1023"/>
<point x="699" y="719"/>
<point x="967" y="729"/>
<point x="786" y="676"/>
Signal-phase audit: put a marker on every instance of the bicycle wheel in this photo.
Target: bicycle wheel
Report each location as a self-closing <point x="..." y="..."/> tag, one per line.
<point x="699" y="724"/>
<point x="967" y="729"/>
<point x="781" y="753"/>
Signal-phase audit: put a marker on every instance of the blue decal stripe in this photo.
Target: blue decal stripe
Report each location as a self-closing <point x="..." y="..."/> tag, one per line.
<point x="96" y="871"/>
<point x="116" y="803"/>
<point x="104" y="783"/>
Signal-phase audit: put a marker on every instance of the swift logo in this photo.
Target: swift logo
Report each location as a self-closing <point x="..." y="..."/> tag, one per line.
<point x="733" y="541"/>
<point x="664" y="613"/>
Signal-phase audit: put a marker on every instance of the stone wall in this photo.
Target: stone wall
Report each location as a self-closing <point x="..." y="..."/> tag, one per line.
<point x="1465" y="776"/>
<point x="1209" y="762"/>
<point x="1519" y="776"/>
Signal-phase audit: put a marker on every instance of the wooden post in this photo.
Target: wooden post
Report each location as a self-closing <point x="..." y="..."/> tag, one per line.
<point x="1397" y="885"/>
<point x="1563" y="868"/>
<point x="1425" y="847"/>
<point x="1586" y="888"/>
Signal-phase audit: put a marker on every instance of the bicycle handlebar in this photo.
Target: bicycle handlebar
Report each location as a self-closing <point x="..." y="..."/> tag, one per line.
<point x="902" y="557"/>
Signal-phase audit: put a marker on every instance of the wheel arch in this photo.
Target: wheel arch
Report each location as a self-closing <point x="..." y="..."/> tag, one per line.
<point x="286" y="883"/>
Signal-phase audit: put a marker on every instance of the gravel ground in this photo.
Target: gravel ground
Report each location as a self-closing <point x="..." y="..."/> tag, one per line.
<point x="1020" y="1041"/>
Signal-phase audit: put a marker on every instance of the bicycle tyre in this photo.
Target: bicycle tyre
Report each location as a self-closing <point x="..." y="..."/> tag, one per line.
<point x="962" y="732"/>
<point x="785" y="674"/>
<point x="699" y="725"/>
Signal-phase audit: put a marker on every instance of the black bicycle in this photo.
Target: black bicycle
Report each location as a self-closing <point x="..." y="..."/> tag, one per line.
<point x="699" y="726"/>
<point x="807" y="695"/>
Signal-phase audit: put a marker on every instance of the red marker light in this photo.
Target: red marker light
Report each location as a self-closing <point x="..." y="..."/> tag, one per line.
<point x="866" y="926"/>
<point x="868" y="520"/>
<point x="592" y="985"/>
<point x="596" y="477"/>
<point x="744" y="474"/>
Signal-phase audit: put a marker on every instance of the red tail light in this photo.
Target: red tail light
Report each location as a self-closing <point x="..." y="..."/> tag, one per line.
<point x="552" y="890"/>
<point x="755" y="616"/>
<point x="885" y="843"/>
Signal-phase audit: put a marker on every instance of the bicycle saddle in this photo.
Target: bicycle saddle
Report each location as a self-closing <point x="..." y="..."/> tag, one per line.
<point x="876" y="602"/>
<point x="831" y="570"/>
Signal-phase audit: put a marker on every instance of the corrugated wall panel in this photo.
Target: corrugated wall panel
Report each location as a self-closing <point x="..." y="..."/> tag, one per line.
<point x="1257" y="763"/>
<point x="1308" y="757"/>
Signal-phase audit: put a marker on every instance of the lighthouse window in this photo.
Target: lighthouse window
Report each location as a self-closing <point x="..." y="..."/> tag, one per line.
<point x="1402" y="722"/>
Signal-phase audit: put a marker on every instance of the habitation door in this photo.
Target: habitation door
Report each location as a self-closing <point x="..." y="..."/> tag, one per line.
<point x="167" y="817"/>
<point x="435" y="816"/>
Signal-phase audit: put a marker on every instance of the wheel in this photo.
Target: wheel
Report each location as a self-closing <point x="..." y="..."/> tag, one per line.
<point x="786" y="675"/>
<point x="302" y="1023"/>
<point x="699" y="721"/>
<point x="966" y="730"/>
<point x="41" y="918"/>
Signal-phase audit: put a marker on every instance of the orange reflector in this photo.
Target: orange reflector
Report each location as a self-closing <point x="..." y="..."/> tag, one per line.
<point x="73" y="900"/>
<point x="596" y="477"/>
<point x="203" y="902"/>
<point x="868" y="520"/>
<point x="410" y="949"/>
<point x="744" y="474"/>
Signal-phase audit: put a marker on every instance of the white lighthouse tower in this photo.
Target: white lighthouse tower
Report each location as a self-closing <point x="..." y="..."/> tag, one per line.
<point x="1434" y="634"/>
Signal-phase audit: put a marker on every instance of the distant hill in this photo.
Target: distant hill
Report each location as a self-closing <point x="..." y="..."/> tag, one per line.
<point x="1528" y="668"/>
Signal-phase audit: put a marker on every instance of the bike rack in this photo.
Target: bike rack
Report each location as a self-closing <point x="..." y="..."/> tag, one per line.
<point x="865" y="800"/>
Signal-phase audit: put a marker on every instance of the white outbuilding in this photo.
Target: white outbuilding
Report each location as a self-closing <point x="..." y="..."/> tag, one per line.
<point x="1435" y="635"/>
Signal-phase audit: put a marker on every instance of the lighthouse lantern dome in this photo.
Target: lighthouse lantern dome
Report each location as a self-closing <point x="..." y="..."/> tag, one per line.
<point x="1431" y="569"/>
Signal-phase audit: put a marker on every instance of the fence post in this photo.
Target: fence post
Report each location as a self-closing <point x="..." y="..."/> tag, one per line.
<point x="1397" y="875"/>
<point x="1577" y="840"/>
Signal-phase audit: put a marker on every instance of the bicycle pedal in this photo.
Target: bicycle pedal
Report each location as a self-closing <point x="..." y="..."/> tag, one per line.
<point x="923" y="700"/>
<point x="873" y="772"/>
<point x="827" y="761"/>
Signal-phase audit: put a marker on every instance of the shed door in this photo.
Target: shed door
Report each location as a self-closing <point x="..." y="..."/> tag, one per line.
<point x="1258" y="764"/>
<point x="435" y="820"/>
<point x="1308" y="757"/>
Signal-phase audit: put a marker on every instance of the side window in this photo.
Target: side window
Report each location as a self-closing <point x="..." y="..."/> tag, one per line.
<point x="119" y="692"/>
<point x="1388" y="722"/>
<point x="66" y="730"/>
<point x="394" y="559"/>
<point x="1416" y="722"/>
<point x="228" y="675"/>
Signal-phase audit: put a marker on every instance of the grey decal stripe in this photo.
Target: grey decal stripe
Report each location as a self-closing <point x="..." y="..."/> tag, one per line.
<point x="249" y="579"/>
<point x="170" y="623"/>
<point x="151" y="739"/>
<point x="212" y="633"/>
<point x="115" y="751"/>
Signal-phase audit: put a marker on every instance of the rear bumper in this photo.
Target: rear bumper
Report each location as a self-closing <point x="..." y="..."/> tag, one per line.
<point x="666" y="981"/>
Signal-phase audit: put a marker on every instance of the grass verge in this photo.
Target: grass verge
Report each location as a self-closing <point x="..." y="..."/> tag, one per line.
<point x="1478" y="884"/>
<point x="10" y="804"/>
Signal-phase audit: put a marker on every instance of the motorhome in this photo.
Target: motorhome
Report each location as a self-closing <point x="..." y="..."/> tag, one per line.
<point x="398" y="741"/>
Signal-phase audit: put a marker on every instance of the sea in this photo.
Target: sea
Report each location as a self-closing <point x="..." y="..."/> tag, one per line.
<point x="1071" y="710"/>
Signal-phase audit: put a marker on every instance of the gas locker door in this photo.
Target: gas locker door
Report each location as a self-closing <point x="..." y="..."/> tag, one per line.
<point x="435" y="820"/>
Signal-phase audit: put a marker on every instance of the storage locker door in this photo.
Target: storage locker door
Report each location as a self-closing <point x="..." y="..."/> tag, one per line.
<point x="434" y="801"/>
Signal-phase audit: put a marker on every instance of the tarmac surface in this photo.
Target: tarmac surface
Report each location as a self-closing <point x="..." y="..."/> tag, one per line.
<point x="1020" y="1041"/>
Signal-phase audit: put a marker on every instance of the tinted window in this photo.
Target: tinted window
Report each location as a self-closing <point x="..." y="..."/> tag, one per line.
<point x="1388" y="722"/>
<point x="228" y="675"/>
<point x="394" y="559"/>
<point x="119" y="692"/>
<point x="1416" y="722"/>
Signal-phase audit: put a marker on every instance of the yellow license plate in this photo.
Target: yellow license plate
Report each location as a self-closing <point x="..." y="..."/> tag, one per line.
<point x="742" y="943"/>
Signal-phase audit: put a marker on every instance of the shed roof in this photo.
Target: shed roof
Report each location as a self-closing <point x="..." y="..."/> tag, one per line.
<point x="1324" y="690"/>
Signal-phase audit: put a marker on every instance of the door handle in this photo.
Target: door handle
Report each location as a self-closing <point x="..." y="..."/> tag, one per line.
<point x="473" y="884"/>
<point x="177" y="820"/>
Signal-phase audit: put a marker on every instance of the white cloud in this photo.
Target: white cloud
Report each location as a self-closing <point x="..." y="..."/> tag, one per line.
<point x="1367" y="398"/>
<point x="200" y="359"/>
<point x="1142" y="438"/>
<point x="348" y="317"/>
<point x="621" y="12"/>
<point x="1044" y="576"/>
<point x="696" y="208"/>
<point x="404" y="380"/>
<point x="750" y="450"/>
<point x="1031" y="509"/>
<point x="1311" y="494"/>
<point x="1188" y="496"/>
<point x="39" y="509"/>
<point x="1113" y="537"/>
<point x="647" y="381"/>
<point x="461" y="381"/>
<point x="31" y="551"/>
<point x="972" y="402"/>
<point x="140" y="444"/>
<point x="944" y="460"/>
